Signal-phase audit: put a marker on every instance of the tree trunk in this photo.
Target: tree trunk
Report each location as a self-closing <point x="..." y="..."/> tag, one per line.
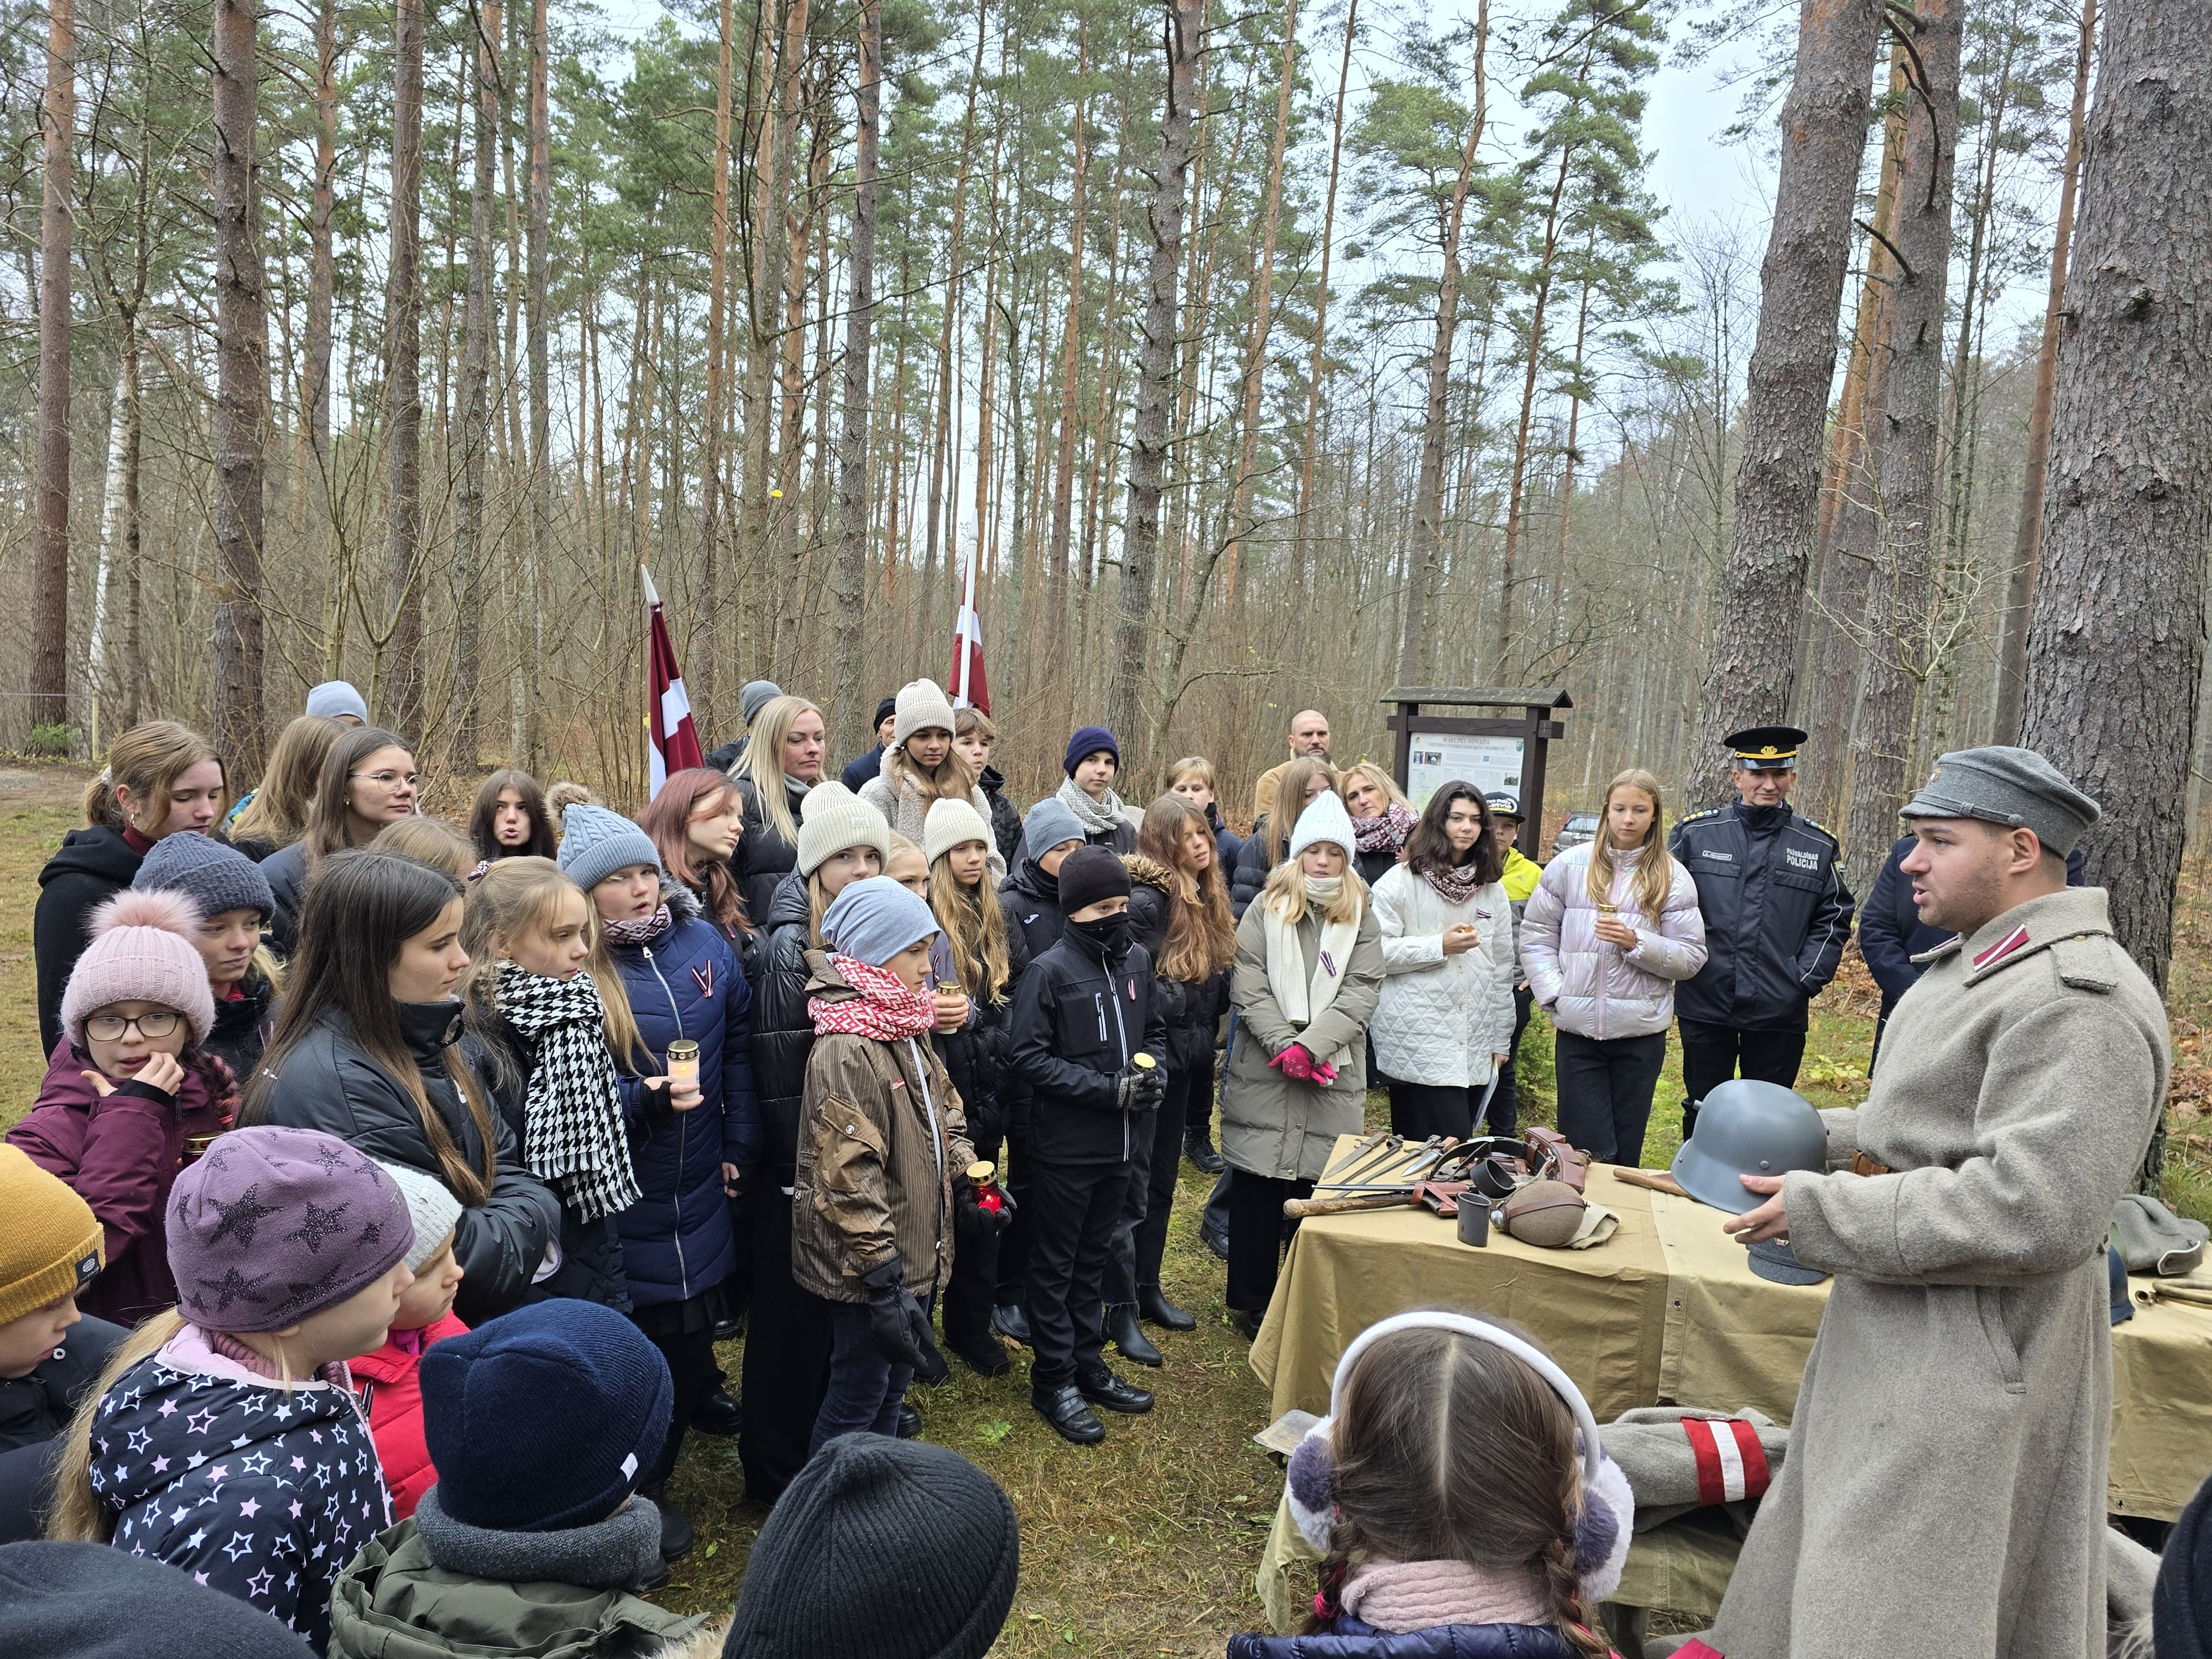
<point x="853" y="709"/>
<point x="403" y="394"/>
<point x="1900" y="647"/>
<point x="1071" y="343"/>
<point x="476" y="395"/>
<point x="541" y="375"/>
<point x="1318" y="365"/>
<point x="2027" y="534"/>
<point x="1429" y="490"/>
<point x="322" y="281"/>
<point x="1156" y="372"/>
<point x="242" y="390"/>
<point x="706" y="633"/>
<point x="1793" y="360"/>
<point x="50" y="582"/>
<point x="2117" y="640"/>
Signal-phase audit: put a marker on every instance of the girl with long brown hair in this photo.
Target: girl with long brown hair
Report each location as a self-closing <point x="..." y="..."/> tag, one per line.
<point x="1295" y="786"/>
<point x="924" y="766"/>
<point x="368" y="1048"/>
<point x="368" y="781"/>
<point x="509" y="819"/>
<point x="1611" y="929"/>
<point x="698" y="821"/>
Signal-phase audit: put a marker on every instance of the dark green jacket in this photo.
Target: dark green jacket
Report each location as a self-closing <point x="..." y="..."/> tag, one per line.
<point x="393" y="1602"/>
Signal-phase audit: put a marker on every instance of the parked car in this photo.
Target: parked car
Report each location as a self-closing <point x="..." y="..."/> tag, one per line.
<point x="1579" y="831"/>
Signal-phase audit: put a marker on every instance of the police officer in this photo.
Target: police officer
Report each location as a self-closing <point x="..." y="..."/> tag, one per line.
<point x="1776" y="915"/>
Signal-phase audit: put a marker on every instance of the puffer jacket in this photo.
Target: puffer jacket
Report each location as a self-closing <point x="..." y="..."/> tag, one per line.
<point x="1006" y="822"/>
<point x="906" y="809"/>
<point x="394" y="1601"/>
<point x="783" y="1030"/>
<point x="1030" y="900"/>
<point x="676" y="1239"/>
<point x="881" y="1137"/>
<point x="1441" y="1018"/>
<point x="286" y="870"/>
<point x="38" y="1404"/>
<point x="1078" y="1019"/>
<point x="1273" y="1125"/>
<point x="258" y="1490"/>
<point x="764" y="855"/>
<point x="591" y="1267"/>
<point x="980" y="1054"/>
<point x="390" y="1389"/>
<point x="1190" y="1012"/>
<point x="1252" y="868"/>
<point x="1598" y="990"/>
<point x="90" y="867"/>
<point x="242" y="1024"/>
<point x="121" y="1153"/>
<point x="1347" y="1638"/>
<point x="330" y="1082"/>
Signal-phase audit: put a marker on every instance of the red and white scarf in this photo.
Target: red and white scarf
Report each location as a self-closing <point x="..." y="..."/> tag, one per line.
<point x="887" y="1009"/>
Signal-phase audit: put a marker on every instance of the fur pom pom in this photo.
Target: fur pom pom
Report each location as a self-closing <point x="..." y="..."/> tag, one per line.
<point x="1311" y="1486"/>
<point x="564" y="794"/>
<point x="1603" y="1533"/>
<point x="168" y="910"/>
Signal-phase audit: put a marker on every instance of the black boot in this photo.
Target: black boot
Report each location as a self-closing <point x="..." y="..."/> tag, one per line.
<point x="1007" y="1320"/>
<point x="1070" y="1417"/>
<point x="910" y="1422"/>
<point x="1246" y="1322"/>
<point x="985" y="1356"/>
<point x="676" y="1536"/>
<point x="1126" y="1334"/>
<point x="1155" y="1307"/>
<point x="1198" y="1147"/>
<point x="1110" y="1391"/>
<point x="1689" y="1120"/>
<point x="717" y="1413"/>
<point x="1215" y="1239"/>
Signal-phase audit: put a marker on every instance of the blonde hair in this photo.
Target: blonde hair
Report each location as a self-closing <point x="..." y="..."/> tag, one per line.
<point x="901" y="845"/>
<point x="1291" y="786"/>
<point x="1195" y="766"/>
<point x="78" y="1517"/>
<point x="1375" y="774"/>
<point x="147" y="760"/>
<point x="1285" y="894"/>
<point x="1655" y="872"/>
<point x="974" y="720"/>
<point x="975" y="931"/>
<point x="278" y="811"/>
<point x="764" y="763"/>
<point x="430" y="841"/>
<point x="518" y="896"/>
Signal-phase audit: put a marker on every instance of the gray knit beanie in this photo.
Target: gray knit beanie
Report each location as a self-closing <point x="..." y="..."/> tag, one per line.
<point x="832" y="818"/>
<point x="873" y="921"/>
<point x="895" y="1548"/>
<point x="335" y="698"/>
<point x="433" y="1210"/>
<point x="755" y="695"/>
<point x="1051" y="824"/>
<point x="596" y="842"/>
<point x="213" y="876"/>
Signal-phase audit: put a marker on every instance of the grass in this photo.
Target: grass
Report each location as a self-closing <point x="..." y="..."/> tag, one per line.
<point x="1145" y="1544"/>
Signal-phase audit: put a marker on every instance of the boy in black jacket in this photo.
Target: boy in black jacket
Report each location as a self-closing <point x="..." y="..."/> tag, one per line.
<point x="1083" y="1011"/>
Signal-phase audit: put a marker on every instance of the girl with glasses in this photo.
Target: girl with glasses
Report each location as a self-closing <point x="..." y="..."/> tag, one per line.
<point x="368" y="781"/>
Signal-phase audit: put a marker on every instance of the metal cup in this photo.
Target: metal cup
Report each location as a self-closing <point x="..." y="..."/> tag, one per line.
<point x="1474" y="1220"/>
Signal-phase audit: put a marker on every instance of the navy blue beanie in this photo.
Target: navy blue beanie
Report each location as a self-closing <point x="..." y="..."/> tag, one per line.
<point x="544" y="1418"/>
<point x="1089" y="740"/>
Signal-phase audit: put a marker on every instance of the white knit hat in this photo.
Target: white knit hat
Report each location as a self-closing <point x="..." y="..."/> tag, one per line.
<point x="433" y="1209"/>
<point x="950" y="822"/>
<point x="921" y="706"/>
<point x="832" y="818"/>
<point x="142" y="951"/>
<point x="1324" y="819"/>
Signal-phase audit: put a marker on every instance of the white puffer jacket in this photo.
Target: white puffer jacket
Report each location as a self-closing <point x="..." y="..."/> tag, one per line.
<point x="1599" y="990"/>
<point x="1442" y="1017"/>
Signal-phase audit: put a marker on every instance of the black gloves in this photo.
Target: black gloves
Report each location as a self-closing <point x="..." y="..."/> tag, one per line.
<point x="898" y="1322"/>
<point x="1141" y="1091"/>
<point x="970" y="1219"/>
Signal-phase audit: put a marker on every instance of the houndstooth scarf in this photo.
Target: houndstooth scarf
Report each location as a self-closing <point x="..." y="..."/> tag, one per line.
<point x="1097" y="818"/>
<point x="572" y="1125"/>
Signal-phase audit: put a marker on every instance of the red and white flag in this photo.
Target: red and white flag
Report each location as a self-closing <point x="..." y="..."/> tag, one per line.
<point x="969" y="688"/>
<point x="671" y="736"/>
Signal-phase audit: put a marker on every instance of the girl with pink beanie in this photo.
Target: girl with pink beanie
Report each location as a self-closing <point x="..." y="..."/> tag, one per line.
<point x="132" y="1096"/>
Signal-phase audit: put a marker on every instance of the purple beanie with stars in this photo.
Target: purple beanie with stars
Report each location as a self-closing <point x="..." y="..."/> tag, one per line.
<point x="274" y="1224"/>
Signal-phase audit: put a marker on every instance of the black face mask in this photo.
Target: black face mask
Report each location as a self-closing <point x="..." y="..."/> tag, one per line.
<point x="1110" y="933"/>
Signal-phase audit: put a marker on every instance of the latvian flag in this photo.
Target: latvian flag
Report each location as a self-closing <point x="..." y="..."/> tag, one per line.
<point x="1731" y="1463"/>
<point x="671" y="736"/>
<point x="969" y="689"/>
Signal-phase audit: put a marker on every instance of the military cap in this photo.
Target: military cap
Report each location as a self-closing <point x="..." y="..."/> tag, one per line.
<point x="1766" y="747"/>
<point x="2015" y="787"/>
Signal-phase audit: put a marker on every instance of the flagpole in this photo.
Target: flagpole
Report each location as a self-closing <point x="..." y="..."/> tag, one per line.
<point x="961" y="625"/>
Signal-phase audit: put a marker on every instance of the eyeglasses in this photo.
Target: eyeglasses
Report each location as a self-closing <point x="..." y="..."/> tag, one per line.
<point x="107" y="1028"/>
<point x="387" y="778"/>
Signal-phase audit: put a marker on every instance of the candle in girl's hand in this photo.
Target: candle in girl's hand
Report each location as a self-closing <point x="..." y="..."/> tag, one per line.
<point x="684" y="1062"/>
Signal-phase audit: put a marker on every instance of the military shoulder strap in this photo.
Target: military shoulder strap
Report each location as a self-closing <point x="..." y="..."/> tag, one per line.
<point x="2085" y="961"/>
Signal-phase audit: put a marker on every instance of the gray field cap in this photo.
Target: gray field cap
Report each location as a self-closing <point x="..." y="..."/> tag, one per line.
<point x="2015" y="787"/>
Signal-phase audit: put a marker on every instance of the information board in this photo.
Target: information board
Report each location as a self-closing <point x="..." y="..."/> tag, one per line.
<point x="1440" y="757"/>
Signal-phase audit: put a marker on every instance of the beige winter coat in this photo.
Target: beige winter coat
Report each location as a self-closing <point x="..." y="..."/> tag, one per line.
<point x="1273" y="1125"/>
<point x="1945" y="1489"/>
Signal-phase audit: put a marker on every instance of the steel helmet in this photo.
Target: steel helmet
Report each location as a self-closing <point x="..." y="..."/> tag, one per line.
<point x="1748" y="1127"/>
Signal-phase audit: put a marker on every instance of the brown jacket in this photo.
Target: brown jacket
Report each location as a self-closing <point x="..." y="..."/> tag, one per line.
<point x="875" y="1173"/>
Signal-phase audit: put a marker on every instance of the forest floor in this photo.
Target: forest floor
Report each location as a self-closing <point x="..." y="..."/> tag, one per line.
<point x="1147" y="1544"/>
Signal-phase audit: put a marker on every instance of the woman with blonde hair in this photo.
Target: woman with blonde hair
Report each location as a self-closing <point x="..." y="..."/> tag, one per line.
<point x="433" y="841"/>
<point x="782" y="761"/>
<point x="1381" y="818"/>
<point x="275" y="815"/>
<point x="1306" y="778"/>
<point x="1309" y="973"/>
<point x="160" y="778"/>
<point x="923" y="766"/>
<point x="1611" y="929"/>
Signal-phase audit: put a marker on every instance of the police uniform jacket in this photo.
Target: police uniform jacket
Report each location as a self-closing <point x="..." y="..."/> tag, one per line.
<point x="1776" y="915"/>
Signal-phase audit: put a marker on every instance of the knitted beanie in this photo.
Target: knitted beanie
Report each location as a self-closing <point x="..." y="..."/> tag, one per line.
<point x="142" y="951"/>
<point x="895" y="1548"/>
<point x="51" y="1243"/>
<point x="921" y="706"/>
<point x="832" y="818"/>
<point x="433" y="1210"/>
<point x="215" y="878"/>
<point x="873" y="921"/>
<point x="1051" y="822"/>
<point x="596" y="842"/>
<point x="949" y="824"/>
<point x="755" y="695"/>
<point x="884" y="710"/>
<point x="1089" y="874"/>
<point x="95" y="1601"/>
<point x="335" y="698"/>
<point x="274" y="1224"/>
<point x="1324" y="819"/>
<point x="543" y="1419"/>
<point x="1089" y="740"/>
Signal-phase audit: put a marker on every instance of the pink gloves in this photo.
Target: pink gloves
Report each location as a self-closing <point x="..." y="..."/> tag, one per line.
<point x="1324" y="1073"/>
<point x="1295" y="1062"/>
